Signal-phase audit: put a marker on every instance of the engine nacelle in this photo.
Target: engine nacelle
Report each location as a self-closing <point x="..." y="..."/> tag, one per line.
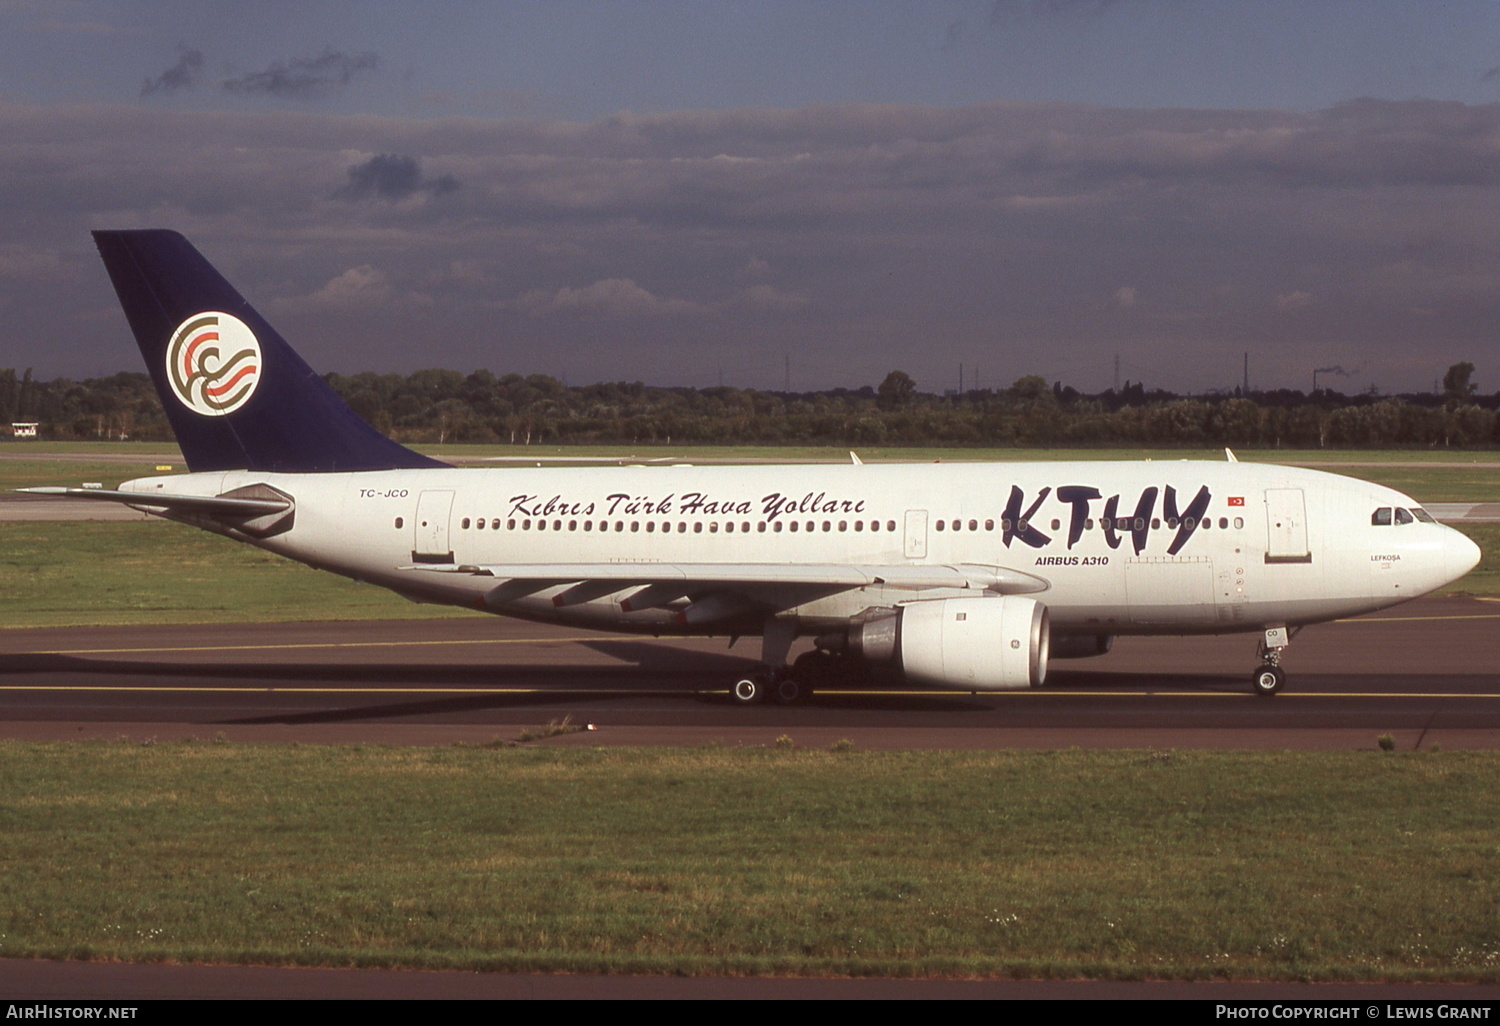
<point x="991" y="643"/>
<point x="1081" y="646"/>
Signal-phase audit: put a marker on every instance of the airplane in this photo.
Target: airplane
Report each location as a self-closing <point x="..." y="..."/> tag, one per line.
<point x="957" y="575"/>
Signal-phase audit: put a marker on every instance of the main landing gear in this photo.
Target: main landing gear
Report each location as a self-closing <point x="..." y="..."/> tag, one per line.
<point x="775" y="681"/>
<point x="1269" y="678"/>
<point x="795" y="684"/>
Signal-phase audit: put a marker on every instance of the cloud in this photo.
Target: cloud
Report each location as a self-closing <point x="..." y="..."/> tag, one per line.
<point x="754" y="268"/>
<point x="391" y="177"/>
<point x="765" y="299"/>
<point x="305" y="77"/>
<point x="615" y="297"/>
<point x="182" y="75"/>
<point x="357" y="285"/>
<point x="1000" y="235"/>
<point x="1009" y="10"/>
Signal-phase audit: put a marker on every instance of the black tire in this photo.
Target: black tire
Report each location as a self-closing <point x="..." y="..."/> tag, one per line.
<point x="1267" y="680"/>
<point x="748" y="690"/>
<point x="789" y="691"/>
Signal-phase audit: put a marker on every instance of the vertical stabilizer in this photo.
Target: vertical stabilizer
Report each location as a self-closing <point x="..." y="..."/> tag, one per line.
<point x="237" y="396"/>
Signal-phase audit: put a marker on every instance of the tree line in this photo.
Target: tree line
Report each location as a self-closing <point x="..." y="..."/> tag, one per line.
<point x="442" y="406"/>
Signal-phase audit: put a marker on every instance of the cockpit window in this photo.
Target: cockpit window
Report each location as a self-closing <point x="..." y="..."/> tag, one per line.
<point x="1422" y="515"/>
<point x="1381" y="517"/>
<point x="1404" y="517"/>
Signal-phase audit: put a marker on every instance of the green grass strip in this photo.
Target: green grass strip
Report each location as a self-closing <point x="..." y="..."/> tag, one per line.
<point x="1129" y="865"/>
<point x="83" y="573"/>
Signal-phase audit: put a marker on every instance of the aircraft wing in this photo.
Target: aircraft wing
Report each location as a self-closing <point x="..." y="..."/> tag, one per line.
<point x="213" y="505"/>
<point x="718" y="590"/>
<point x="965" y="575"/>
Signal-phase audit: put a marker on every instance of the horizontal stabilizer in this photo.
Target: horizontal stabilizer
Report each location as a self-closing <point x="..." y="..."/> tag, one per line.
<point x="213" y="505"/>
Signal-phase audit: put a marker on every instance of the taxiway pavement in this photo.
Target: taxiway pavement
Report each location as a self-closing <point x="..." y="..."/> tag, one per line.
<point x="1426" y="673"/>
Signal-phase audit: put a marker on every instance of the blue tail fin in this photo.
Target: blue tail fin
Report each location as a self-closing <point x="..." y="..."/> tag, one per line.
<point x="236" y="394"/>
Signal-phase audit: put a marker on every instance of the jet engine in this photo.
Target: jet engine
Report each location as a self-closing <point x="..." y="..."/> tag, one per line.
<point x="991" y="643"/>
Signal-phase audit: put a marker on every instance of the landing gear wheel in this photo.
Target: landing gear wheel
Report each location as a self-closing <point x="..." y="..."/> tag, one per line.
<point x="1267" y="680"/>
<point x="790" y="691"/>
<point x="748" y="690"/>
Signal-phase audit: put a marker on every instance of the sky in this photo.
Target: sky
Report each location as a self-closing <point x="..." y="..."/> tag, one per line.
<point x="739" y="191"/>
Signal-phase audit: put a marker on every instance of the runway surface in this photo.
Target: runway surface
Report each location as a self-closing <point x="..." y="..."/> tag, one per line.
<point x="1425" y="673"/>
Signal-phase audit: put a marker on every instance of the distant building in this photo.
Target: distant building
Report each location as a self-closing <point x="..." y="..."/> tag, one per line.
<point x="24" y="429"/>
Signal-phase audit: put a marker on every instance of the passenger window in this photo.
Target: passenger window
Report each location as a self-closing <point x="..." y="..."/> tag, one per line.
<point x="890" y="525"/>
<point x="989" y="525"/>
<point x="466" y="523"/>
<point x="1382" y="517"/>
<point x="1239" y="523"/>
<point x="974" y="525"/>
<point x="778" y="527"/>
<point x="939" y="524"/>
<point x="1223" y="523"/>
<point x="859" y="525"/>
<point x="826" y="527"/>
<point x="1404" y="517"/>
<point x="399" y="522"/>
<point x="510" y="525"/>
<point x="794" y="527"/>
<point x="495" y="524"/>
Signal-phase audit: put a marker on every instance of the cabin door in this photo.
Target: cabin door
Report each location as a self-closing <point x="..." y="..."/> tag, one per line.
<point x="1286" y="526"/>
<point x="916" y="534"/>
<point x="431" y="542"/>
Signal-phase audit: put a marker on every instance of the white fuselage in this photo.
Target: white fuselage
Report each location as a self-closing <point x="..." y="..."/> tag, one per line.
<point x="1118" y="547"/>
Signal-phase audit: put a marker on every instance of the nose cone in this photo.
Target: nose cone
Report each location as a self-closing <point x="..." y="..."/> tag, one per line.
<point x="1460" y="554"/>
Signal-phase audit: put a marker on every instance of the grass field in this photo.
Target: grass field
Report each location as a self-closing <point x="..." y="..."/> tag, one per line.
<point x="1186" y="865"/>
<point x="81" y="573"/>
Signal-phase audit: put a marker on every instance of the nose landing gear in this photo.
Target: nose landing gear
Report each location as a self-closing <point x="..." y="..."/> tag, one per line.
<point x="1269" y="678"/>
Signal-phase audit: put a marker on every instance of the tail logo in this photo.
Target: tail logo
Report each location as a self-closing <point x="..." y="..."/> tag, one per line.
<point x="213" y="364"/>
